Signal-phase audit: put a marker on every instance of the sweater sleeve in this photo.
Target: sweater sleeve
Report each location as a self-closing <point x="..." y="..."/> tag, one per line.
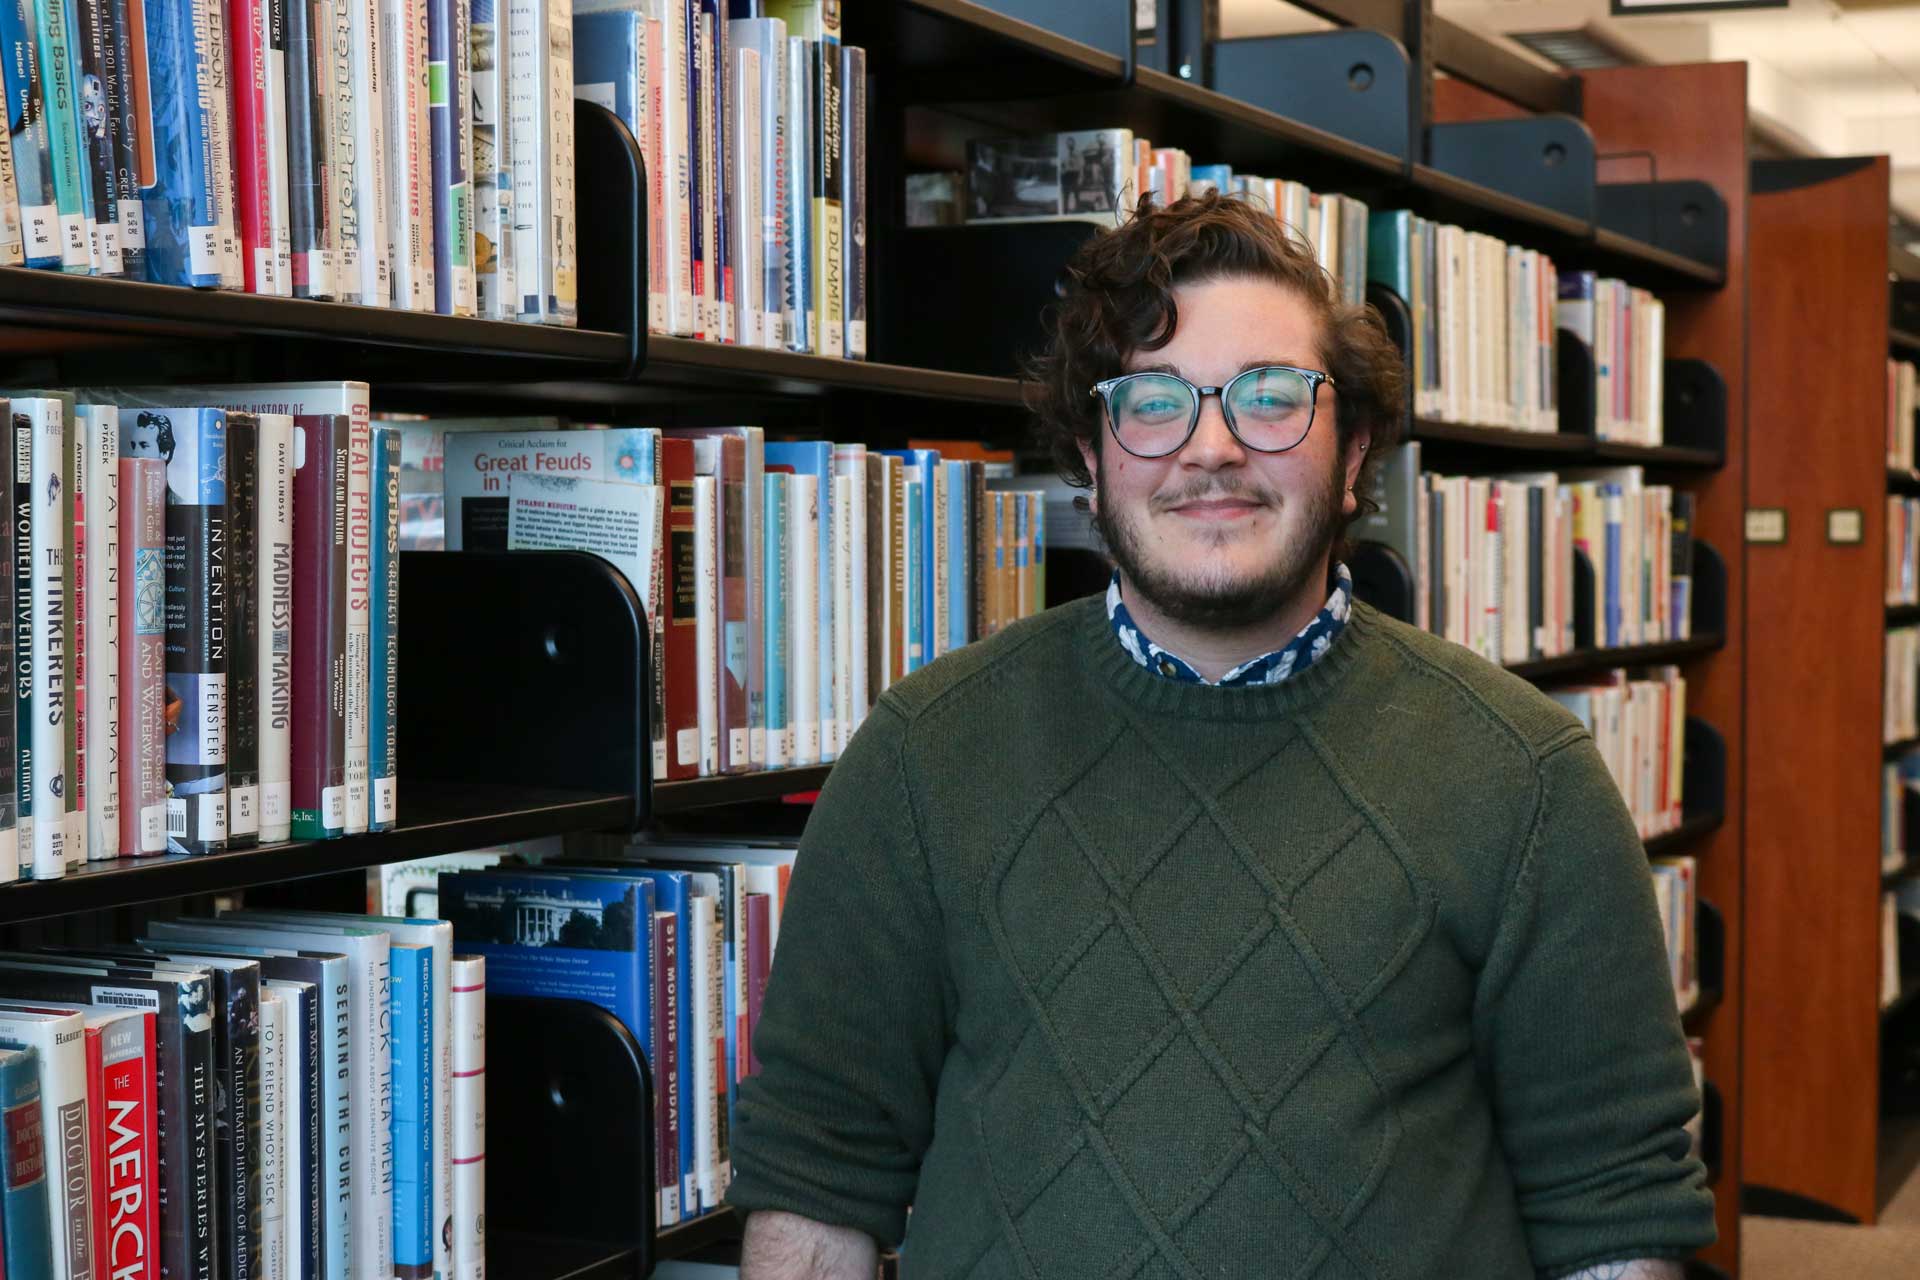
<point x="853" y="1031"/>
<point x="1579" y="1038"/>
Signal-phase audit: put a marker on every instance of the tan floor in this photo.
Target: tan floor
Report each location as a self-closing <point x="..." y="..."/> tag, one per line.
<point x="1785" y="1249"/>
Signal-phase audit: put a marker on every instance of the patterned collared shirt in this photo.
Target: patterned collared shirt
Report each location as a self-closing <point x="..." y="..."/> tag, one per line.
<point x="1269" y="668"/>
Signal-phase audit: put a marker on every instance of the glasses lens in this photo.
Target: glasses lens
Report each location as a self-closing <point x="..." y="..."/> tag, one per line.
<point x="1151" y="413"/>
<point x="1270" y="408"/>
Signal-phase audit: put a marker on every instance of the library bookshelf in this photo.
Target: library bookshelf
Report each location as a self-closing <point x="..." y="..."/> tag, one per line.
<point x="523" y="713"/>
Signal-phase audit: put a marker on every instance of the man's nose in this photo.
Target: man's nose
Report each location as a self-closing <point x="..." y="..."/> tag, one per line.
<point x="1213" y="445"/>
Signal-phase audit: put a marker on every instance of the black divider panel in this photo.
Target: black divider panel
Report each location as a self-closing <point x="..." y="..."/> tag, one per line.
<point x="1574" y="384"/>
<point x="612" y="230"/>
<point x="1709" y="591"/>
<point x="572" y="1158"/>
<point x="1694" y="406"/>
<point x="1710" y="941"/>
<point x="525" y="668"/>
<point x="1712" y="1130"/>
<point x="1383" y="579"/>
<point x="1584" y="623"/>
<point x="1685" y="217"/>
<point x="1547" y="160"/>
<point x="1704" y="779"/>
<point x="1352" y="82"/>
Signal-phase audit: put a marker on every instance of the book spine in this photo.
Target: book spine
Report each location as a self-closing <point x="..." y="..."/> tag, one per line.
<point x="939" y="575"/>
<point x="251" y="142"/>
<point x="446" y="192"/>
<point x="759" y="964"/>
<point x="23" y="1167"/>
<point x="12" y="237"/>
<point x="197" y="639"/>
<point x="183" y="243"/>
<point x="853" y="199"/>
<point x="798" y="305"/>
<point x="803" y="617"/>
<point x="469" y="992"/>
<point x="143" y="532"/>
<point x="274" y="1091"/>
<point x="743" y="202"/>
<point x="850" y="462"/>
<point x="384" y="634"/>
<point x="706" y="573"/>
<point x="829" y="229"/>
<point x="23" y="606"/>
<point x="336" y="1097"/>
<point x="221" y="140"/>
<point x="273" y="604"/>
<point x="273" y="45"/>
<point x="243" y="631"/>
<point x="540" y="111"/>
<point x="403" y="76"/>
<point x="72" y="671"/>
<point x="674" y="143"/>
<point x="349" y="169"/>
<point x="12" y="538"/>
<point x="364" y="109"/>
<point x="359" y="618"/>
<point x="709" y="1049"/>
<point x="774" y="146"/>
<point x="101" y="671"/>
<point x="111" y="100"/>
<point x="27" y="136"/>
<point x="913" y="552"/>
<point x="309" y="264"/>
<point x="665" y="1073"/>
<point x="411" y="997"/>
<point x="236" y="1105"/>
<point x="129" y="1245"/>
<point x="955" y="531"/>
<point x="843" y="632"/>
<point x="56" y="22"/>
<point x="460" y="96"/>
<point x="821" y="630"/>
<point x="774" y="615"/>
<point x="678" y="661"/>
<point x="700" y="175"/>
<point x="319" y="754"/>
<point x="492" y="183"/>
<point x="47" y="661"/>
<point x="717" y="162"/>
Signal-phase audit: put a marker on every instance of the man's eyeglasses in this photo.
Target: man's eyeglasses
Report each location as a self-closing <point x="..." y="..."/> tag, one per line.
<point x="1268" y="409"/>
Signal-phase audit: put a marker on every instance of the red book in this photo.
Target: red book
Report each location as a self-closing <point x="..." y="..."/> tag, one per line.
<point x="759" y="964"/>
<point x="259" y="254"/>
<point x="122" y="1110"/>
<point x="666" y="1065"/>
<point x="679" y="661"/>
<point x="320" y="626"/>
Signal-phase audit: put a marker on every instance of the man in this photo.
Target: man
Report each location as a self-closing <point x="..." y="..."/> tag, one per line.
<point x="1223" y="926"/>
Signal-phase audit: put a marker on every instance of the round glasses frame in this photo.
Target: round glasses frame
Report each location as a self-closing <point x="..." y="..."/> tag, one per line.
<point x="1315" y="377"/>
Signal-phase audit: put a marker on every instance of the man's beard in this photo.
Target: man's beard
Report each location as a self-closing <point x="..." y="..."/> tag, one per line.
<point x="1197" y="598"/>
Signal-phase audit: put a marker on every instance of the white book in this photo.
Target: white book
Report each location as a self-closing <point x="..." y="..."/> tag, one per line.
<point x="707" y="172"/>
<point x="674" y="204"/>
<point x="273" y="597"/>
<point x="936" y="644"/>
<point x="540" y="115"/>
<point x="61" y="1041"/>
<point x="845" y="551"/>
<point x="277" y="265"/>
<point x="293" y="998"/>
<point x="370" y="1074"/>
<point x="743" y="191"/>
<point x="850" y="460"/>
<point x="49" y="736"/>
<point x="706" y="614"/>
<point x="469" y="985"/>
<point x="708" y="1035"/>
<point x="101" y="658"/>
<point x="409" y="151"/>
<point x="366" y="110"/>
<point x="491" y="172"/>
<point x="803" y="616"/>
<point x="273" y="1136"/>
<point x="437" y="937"/>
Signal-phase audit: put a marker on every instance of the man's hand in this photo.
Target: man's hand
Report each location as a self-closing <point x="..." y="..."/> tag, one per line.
<point x="786" y="1246"/>
<point x="1644" y="1269"/>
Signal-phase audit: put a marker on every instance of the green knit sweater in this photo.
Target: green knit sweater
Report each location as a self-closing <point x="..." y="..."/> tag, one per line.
<point x="1357" y="975"/>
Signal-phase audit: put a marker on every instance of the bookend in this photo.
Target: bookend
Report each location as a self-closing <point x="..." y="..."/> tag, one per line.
<point x="1693" y="405"/>
<point x="1354" y="83"/>
<point x="1709" y="591"/>
<point x="1585" y="625"/>
<point x="1382" y="579"/>
<point x="523" y="669"/>
<point x="992" y="283"/>
<point x="1710" y="937"/>
<point x="1903" y="312"/>
<point x="1684" y="217"/>
<point x="1546" y="160"/>
<point x="612" y="230"/>
<point x="571" y="1157"/>
<point x="1574" y="379"/>
<point x="1703" y="780"/>
<point x="1712" y="1117"/>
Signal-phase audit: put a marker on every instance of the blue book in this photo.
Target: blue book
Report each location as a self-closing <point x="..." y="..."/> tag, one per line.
<point x="799" y="201"/>
<point x="815" y="458"/>
<point x="1037" y="536"/>
<point x="671" y="893"/>
<point x="23" y="1166"/>
<point x="56" y="24"/>
<point x="410" y="996"/>
<point x="27" y="133"/>
<point x="959" y="531"/>
<point x="1212" y="177"/>
<point x="607" y="47"/>
<point x="183" y="243"/>
<point x="774" y="617"/>
<point x="1611" y="495"/>
<point x="383" y="734"/>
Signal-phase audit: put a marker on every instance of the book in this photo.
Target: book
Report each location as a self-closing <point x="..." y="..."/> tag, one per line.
<point x="383" y="730"/>
<point x="15" y="544"/>
<point x="853" y="199"/>
<point x="70" y="675"/>
<point x="803" y="616"/>
<point x="309" y="207"/>
<point x="407" y="152"/>
<point x="122" y="1067"/>
<point x="797" y="307"/>
<point x="850" y="465"/>
<point x="496" y="294"/>
<point x="302" y="1113"/>
<point x="258" y="82"/>
<point x="735" y="456"/>
<point x="27" y="142"/>
<point x="25" y="779"/>
<point x="679" y="633"/>
<point x="478" y="465"/>
<point x="451" y="216"/>
<point x="766" y="38"/>
<point x="364" y="111"/>
<point x="814" y="458"/>
<point x="706" y="612"/>
<point x="48" y="635"/>
<point x="58" y="57"/>
<point x="274" y="1197"/>
<point x="90" y="27"/>
<point x="414" y="1130"/>
<point x="28" y="1248"/>
<point x="97" y="529"/>
<point x="468" y="976"/>
<point x="359" y="620"/>
<point x="273" y="595"/>
<point x="319" y="754"/>
<point x="60" y="1041"/>
<point x="540" y="112"/>
<point x="775" y="619"/>
<point x="242" y="709"/>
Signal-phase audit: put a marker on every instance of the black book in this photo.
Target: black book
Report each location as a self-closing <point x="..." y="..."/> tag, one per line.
<point x="9" y="744"/>
<point x="183" y="1078"/>
<point x="243" y="631"/>
<point x="91" y="41"/>
<point x="21" y="444"/>
<point x="1437" y="602"/>
<point x="123" y="137"/>
<point x="306" y="155"/>
<point x="1536" y="569"/>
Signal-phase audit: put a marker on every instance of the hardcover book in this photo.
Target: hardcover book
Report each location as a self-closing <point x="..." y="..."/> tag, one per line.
<point x="27" y="141"/>
<point x="23" y="1166"/>
<point x="383" y="733"/>
<point x="97" y="528"/>
<point x="243" y="631"/>
<point x="468" y="976"/>
<point x="143" y="649"/>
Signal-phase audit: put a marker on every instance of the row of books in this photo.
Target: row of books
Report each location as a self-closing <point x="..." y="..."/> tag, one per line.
<point x="1491" y="558"/>
<point x="1903" y="413"/>
<point x="1676" y="892"/>
<point x="1901" y="706"/>
<point x="1101" y="174"/>
<point x="1903" y="550"/>
<point x="1899" y="785"/>
<point x="205" y="622"/>
<point x="261" y="1094"/>
<point x="817" y="574"/>
<point x="415" y="154"/>
<point x="1639" y="723"/>
<point x="752" y="119"/>
<point x="1626" y="330"/>
<point x="1484" y="316"/>
<point x="677" y="941"/>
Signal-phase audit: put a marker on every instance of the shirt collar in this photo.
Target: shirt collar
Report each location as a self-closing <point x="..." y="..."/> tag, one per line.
<point x="1292" y="658"/>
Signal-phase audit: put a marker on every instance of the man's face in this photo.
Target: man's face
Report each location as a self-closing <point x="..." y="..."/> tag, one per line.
<point x="1217" y="535"/>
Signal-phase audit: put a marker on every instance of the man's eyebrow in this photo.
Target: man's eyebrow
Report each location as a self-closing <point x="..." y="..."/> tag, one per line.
<point x="1161" y="366"/>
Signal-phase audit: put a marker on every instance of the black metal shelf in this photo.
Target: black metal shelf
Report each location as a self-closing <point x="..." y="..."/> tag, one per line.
<point x="1693" y="826"/>
<point x="1559" y="448"/>
<point x="737" y="788"/>
<point x="1903" y="615"/>
<point x="712" y="366"/>
<point x="557" y="1258"/>
<point x="1583" y="661"/>
<point x="1902" y="340"/>
<point x="441" y="817"/>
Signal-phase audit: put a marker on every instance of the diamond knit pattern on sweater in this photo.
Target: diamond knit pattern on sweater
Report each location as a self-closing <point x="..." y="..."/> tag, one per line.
<point x="1250" y="991"/>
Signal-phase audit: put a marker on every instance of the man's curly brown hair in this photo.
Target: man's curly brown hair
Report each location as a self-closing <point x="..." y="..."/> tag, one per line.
<point x="1117" y="300"/>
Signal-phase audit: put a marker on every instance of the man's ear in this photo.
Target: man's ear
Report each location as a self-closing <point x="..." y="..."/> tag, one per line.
<point x="1356" y="451"/>
<point x="1091" y="456"/>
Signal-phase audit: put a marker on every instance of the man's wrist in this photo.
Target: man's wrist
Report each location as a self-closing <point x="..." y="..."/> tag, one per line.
<point x="786" y="1246"/>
